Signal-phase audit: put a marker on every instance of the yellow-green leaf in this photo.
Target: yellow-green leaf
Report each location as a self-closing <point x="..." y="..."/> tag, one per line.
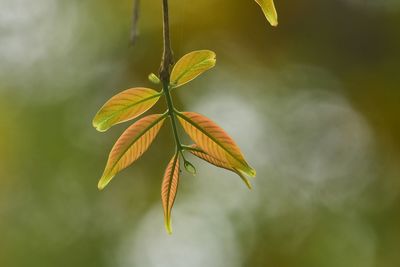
<point x="192" y="65"/>
<point x="198" y="152"/>
<point x="169" y="189"/>
<point x="189" y="167"/>
<point x="214" y="141"/>
<point x="154" y="78"/>
<point x="125" y="106"/>
<point x="131" y="145"/>
<point x="269" y="10"/>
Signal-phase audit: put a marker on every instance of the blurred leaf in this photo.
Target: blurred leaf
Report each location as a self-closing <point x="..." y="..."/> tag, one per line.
<point x="214" y="141"/>
<point x="169" y="189"/>
<point x="131" y="145"/>
<point x="221" y="164"/>
<point x="269" y="10"/>
<point x="192" y="65"/>
<point x="154" y="78"/>
<point x="125" y="106"/>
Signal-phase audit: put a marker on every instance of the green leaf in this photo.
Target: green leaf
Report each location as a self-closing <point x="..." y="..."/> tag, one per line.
<point x="189" y="167"/>
<point x="125" y="106"/>
<point x="269" y="10"/>
<point x="131" y="146"/>
<point x="154" y="78"/>
<point x="192" y="65"/>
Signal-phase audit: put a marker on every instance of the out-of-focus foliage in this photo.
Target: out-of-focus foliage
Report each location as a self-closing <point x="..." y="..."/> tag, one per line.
<point x="314" y="105"/>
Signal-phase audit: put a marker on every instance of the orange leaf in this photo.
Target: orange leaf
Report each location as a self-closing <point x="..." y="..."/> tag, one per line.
<point x="214" y="141"/>
<point x="131" y="145"/>
<point x="169" y="189"/>
<point x="198" y="152"/>
<point x="125" y="106"/>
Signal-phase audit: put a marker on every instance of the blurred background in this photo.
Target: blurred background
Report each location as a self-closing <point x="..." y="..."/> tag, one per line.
<point x="314" y="104"/>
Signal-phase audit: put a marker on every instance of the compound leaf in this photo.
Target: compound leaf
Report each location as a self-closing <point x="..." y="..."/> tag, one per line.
<point x="131" y="145"/>
<point x="269" y="10"/>
<point x="198" y="152"/>
<point x="192" y="65"/>
<point x="169" y="189"/>
<point x="214" y="141"/>
<point x="125" y="106"/>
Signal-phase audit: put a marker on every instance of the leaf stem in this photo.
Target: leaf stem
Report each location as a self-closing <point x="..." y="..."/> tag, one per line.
<point x="171" y="113"/>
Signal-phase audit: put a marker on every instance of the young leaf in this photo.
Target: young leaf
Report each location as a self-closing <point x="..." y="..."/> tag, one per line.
<point x="154" y="78"/>
<point x="269" y="10"/>
<point x="131" y="145"/>
<point x="125" y="106"/>
<point x="198" y="152"/>
<point x="169" y="189"/>
<point x="189" y="167"/>
<point x="192" y="65"/>
<point x="214" y="141"/>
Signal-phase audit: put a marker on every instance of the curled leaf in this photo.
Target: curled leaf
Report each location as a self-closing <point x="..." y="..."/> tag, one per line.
<point x="214" y="141"/>
<point x="268" y="7"/>
<point x="125" y="106"/>
<point x="198" y="152"/>
<point x="131" y="145"/>
<point x="169" y="189"/>
<point x="192" y="65"/>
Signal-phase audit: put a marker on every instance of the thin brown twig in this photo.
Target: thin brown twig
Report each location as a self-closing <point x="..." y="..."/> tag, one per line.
<point x="135" y="20"/>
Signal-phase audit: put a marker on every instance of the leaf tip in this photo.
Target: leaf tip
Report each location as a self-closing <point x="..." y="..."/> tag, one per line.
<point x="154" y="78"/>
<point x="100" y="129"/>
<point x="245" y="168"/>
<point x="103" y="182"/>
<point x="168" y="227"/>
<point x="248" y="184"/>
<point x="252" y="172"/>
<point x="244" y="179"/>
<point x="269" y="10"/>
<point x="100" y="186"/>
<point x="98" y="125"/>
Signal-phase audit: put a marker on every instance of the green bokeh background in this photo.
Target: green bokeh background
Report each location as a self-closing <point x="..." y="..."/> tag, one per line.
<point x="314" y="104"/>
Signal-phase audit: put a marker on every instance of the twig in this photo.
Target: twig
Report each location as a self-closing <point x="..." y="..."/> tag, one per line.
<point x="135" y="19"/>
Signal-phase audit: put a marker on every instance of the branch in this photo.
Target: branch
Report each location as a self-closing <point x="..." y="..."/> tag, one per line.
<point x="167" y="57"/>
